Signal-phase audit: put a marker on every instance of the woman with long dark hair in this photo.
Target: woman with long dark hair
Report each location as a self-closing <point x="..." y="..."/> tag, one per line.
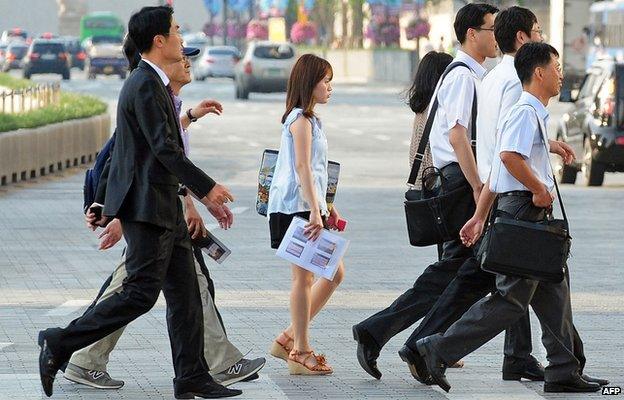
<point x="419" y="96"/>
<point x="298" y="189"/>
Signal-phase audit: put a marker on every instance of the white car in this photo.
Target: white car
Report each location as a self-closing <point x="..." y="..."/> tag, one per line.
<point x="216" y="61"/>
<point x="265" y="68"/>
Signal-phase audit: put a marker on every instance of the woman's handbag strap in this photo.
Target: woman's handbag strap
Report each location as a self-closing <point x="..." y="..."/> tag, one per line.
<point x="424" y="140"/>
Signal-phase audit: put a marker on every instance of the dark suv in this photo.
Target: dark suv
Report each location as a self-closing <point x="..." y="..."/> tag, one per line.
<point x="595" y="126"/>
<point x="46" y="57"/>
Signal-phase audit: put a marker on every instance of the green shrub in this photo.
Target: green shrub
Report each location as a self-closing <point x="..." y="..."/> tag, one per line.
<point x="72" y="106"/>
<point x="10" y="82"/>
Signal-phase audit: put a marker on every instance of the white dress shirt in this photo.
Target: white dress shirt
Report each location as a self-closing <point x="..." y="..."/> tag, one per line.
<point x="520" y="134"/>
<point x="455" y="96"/>
<point x="163" y="77"/>
<point x="502" y="89"/>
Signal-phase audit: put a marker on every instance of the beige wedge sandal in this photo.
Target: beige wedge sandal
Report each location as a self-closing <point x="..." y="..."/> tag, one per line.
<point x="279" y="349"/>
<point x="309" y="364"/>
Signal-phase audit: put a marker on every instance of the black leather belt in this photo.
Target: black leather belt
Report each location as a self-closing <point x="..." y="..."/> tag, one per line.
<point x="517" y="193"/>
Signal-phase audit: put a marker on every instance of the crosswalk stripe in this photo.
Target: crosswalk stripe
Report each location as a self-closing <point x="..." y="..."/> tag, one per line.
<point x="384" y="138"/>
<point x="4" y="345"/>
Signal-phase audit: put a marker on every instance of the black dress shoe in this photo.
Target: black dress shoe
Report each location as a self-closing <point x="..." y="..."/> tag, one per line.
<point x="367" y="352"/>
<point x="575" y="384"/>
<point x="601" y="382"/>
<point x="530" y="368"/>
<point x="48" y="365"/>
<point x="209" y="390"/>
<point x="435" y="365"/>
<point x="416" y="365"/>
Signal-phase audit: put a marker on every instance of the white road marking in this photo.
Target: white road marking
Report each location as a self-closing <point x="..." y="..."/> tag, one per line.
<point x="354" y="131"/>
<point x="407" y="142"/>
<point x="383" y="138"/>
<point x="253" y="144"/>
<point x="69" y="307"/>
<point x="5" y="345"/>
<point x="232" y="138"/>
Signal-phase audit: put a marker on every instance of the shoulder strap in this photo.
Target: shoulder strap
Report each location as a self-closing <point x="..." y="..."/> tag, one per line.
<point x="539" y="126"/>
<point x="424" y="140"/>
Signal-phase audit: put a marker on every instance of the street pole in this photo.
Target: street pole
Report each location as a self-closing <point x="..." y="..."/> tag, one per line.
<point x="225" y="30"/>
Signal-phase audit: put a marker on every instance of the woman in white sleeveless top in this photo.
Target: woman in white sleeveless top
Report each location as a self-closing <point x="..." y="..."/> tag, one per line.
<point x="298" y="188"/>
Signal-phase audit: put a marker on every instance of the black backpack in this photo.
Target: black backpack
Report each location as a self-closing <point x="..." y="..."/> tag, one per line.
<point x="92" y="176"/>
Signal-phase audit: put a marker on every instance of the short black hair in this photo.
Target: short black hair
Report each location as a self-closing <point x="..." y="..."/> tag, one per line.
<point x="531" y="56"/>
<point x="430" y="69"/>
<point x="508" y="23"/>
<point x="471" y="16"/>
<point x="147" y="23"/>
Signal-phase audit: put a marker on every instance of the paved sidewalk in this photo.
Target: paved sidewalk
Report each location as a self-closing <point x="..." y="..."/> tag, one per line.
<point x="50" y="269"/>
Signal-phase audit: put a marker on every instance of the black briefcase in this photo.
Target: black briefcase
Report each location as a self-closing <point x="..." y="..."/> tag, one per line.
<point x="531" y="250"/>
<point x="435" y="216"/>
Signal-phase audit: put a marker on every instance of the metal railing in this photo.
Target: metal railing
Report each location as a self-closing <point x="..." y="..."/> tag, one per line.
<point x="31" y="98"/>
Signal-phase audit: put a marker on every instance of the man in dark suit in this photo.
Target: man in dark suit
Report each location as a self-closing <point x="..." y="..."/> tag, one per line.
<point x="147" y="165"/>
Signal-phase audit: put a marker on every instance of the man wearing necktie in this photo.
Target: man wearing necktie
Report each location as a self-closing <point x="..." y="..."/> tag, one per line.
<point x="147" y="165"/>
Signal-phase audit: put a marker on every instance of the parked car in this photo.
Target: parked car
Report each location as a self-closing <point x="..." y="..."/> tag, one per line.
<point x="217" y="61"/>
<point x="105" y="57"/>
<point x="77" y="54"/>
<point x="14" y="55"/>
<point x="46" y="56"/>
<point x="594" y="127"/>
<point x="265" y="68"/>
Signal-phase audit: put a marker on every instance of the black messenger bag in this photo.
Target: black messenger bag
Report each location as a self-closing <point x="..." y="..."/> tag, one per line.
<point x="435" y="214"/>
<point x="531" y="250"/>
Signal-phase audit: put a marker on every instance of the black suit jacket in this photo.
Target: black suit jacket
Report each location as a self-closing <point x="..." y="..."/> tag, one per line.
<point x="148" y="162"/>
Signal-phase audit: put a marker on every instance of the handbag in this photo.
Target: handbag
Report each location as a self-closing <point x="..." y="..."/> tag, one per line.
<point x="436" y="214"/>
<point x="530" y="250"/>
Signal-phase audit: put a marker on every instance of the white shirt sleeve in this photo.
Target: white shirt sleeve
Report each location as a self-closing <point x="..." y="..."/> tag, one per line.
<point x="518" y="133"/>
<point x="455" y="97"/>
<point x="510" y="97"/>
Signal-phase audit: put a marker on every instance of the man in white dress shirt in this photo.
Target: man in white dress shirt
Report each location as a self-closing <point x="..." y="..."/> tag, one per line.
<point x="452" y="154"/>
<point x="521" y="175"/>
<point x="500" y="90"/>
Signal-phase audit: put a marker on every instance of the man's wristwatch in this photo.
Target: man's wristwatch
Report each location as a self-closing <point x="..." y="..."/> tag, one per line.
<point x="190" y="116"/>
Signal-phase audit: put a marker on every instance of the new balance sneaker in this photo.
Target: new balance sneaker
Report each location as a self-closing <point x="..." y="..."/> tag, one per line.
<point x="239" y="371"/>
<point x="95" y="379"/>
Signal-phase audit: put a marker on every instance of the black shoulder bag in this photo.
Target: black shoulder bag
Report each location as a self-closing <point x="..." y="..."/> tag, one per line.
<point x="435" y="215"/>
<point x="531" y="250"/>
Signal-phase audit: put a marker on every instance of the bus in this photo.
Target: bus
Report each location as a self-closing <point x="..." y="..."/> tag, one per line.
<point x="605" y="32"/>
<point x="101" y="24"/>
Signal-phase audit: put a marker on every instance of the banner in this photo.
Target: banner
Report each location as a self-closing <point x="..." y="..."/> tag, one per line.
<point x="277" y="29"/>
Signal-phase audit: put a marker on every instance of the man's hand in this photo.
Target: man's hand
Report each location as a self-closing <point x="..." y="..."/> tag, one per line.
<point x="110" y="235"/>
<point x="194" y="221"/>
<point x="543" y="198"/>
<point x="207" y="107"/>
<point x="217" y="196"/>
<point x="563" y="150"/>
<point x="92" y="219"/>
<point x="471" y="231"/>
<point x="223" y="215"/>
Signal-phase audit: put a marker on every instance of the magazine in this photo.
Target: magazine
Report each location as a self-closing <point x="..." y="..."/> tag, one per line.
<point x="265" y="176"/>
<point x="212" y="247"/>
<point x="320" y="256"/>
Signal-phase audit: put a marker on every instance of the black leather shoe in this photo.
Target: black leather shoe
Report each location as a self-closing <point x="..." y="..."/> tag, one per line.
<point x="530" y="368"/>
<point x="575" y="384"/>
<point x="601" y="382"/>
<point x="367" y="352"/>
<point x="48" y="365"/>
<point x="209" y="390"/>
<point x="416" y="365"/>
<point x="435" y="365"/>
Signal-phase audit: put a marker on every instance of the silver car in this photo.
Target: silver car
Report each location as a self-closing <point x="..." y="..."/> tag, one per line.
<point x="265" y="68"/>
<point x="216" y="61"/>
